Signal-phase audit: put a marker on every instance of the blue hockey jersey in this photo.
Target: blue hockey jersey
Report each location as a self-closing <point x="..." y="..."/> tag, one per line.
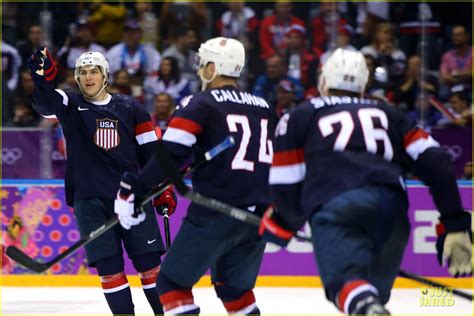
<point x="239" y="175"/>
<point x="329" y="145"/>
<point x="104" y="139"/>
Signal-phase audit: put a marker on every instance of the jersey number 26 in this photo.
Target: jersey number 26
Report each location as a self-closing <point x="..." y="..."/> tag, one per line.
<point x="371" y="134"/>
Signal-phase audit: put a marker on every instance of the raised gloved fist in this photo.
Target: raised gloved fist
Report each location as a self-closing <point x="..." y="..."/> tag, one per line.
<point x="124" y="206"/>
<point x="42" y="65"/>
<point x="272" y="231"/>
<point x="454" y="245"/>
<point x="167" y="200"/>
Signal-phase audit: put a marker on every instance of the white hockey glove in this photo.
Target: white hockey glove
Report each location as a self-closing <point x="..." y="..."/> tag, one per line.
<point x="124" y="205"/>
<point x="454" y="245"/>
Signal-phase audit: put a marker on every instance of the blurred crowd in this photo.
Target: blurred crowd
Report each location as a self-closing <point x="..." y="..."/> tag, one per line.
<point x="419" y="54"/>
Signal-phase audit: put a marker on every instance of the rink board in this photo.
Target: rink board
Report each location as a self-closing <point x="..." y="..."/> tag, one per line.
<point x="49" y="227"/>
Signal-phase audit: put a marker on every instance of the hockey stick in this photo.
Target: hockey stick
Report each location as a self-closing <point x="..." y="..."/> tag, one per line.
<point x="29" y="263"/>
<point x="420" y="279"/>
<point x="166" y="223"/>
<point x="244" y="216"/>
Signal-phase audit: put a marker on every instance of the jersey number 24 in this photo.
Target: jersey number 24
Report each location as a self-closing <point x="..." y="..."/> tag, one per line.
<point x="265" y="151"/>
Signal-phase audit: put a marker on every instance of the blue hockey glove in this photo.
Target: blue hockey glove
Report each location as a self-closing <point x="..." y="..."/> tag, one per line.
<point x="454" y="244"/>
<point x="124" y="206"/>
<point x="42" y="65"/>
<point x="272" y="231"/>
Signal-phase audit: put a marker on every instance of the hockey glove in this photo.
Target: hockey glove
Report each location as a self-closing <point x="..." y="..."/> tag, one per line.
<point x="454" y="244"/>
<point x="167" y="200"/>
<point x="124" y="207"/>
<point x="272" y="231"/>
<point x="42" y="65"/>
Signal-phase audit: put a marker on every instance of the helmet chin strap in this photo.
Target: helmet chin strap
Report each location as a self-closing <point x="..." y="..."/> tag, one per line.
<point x="205" y="81"/>
<point x="104" y="85"/>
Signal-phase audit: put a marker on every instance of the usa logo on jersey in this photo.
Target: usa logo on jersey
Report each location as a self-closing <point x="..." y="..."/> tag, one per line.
<point x="106" y="135"/>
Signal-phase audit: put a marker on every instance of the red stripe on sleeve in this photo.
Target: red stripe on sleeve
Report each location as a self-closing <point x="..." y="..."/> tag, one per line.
<point x="414" y="135"/>
<point x="289" y="157"/>
<point x="144" y="128"/>
<point x="186" y="125"/>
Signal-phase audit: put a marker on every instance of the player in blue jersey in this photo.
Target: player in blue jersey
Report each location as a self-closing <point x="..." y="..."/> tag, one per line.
<point x="106" y="135"/>
<point x="231" y="249"/>
<point x="338" y="164"/>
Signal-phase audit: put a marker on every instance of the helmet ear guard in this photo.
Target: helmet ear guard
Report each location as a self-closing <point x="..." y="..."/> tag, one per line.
<point x="344" y="70"/>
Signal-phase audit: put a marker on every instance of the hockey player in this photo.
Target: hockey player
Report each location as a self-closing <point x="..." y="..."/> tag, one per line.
<point x="106" y="136"/>
<point x="338" y="163"/>
<point x="232" y="249"/>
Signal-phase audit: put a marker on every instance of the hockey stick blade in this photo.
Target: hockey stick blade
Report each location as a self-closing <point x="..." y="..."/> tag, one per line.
<point x="20" y="257"/>
<point x="420" y="279"/>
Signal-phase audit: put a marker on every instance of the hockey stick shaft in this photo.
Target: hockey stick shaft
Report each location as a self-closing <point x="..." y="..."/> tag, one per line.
<point x="26" y="261"/>
<point x="166" y="224"/>
<point x="420" y="279"/>
<point x="252" y="219"/>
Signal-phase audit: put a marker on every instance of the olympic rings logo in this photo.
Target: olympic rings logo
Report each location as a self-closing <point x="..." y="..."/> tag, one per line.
<point x="11" y="155"/>
<point x="455" y="151"/>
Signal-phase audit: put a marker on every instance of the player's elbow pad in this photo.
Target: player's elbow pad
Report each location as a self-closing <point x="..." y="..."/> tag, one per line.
<point x="433" y="165"/>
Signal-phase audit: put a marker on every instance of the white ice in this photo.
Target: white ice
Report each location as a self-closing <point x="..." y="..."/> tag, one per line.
<point x="271" y="300"/>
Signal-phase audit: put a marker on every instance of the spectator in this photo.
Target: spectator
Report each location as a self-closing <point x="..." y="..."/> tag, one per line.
<point x="407" y="93"/>
<point x="343" y="40"/>
<point x="461" y="108"/>
<point x="163" y="110"/>
<point x="146" y="16"/>
<point x="286" y="96"/>
<point x="137" y="59"/>
<point x="369" y="15"/>
<point x="23" y="114"/>
<point x="108" y="20"/>
<point x="33" y="41"/>
<point x="386" y="54"/>
<point x="121" y="83"/>
<point x="169" y="81"/>
<point x="375" y="89"/>
<point x="301" y="62"/>
<point x="83" y="41"/>
<point x="31" y="44"/>
<point x="425" y="114"/>
<point x="467" y="171"/>
<point x="69" y="83"/>
<point x="456" y="64"/>
<point x="184" y="51"/>
<point x="322" y="25"/>
<point x="11" y="63"/>
<point x="412" y="19"/>
<point x="241" y="23"/>
<point x="274" y="28"/>
<point x="191" y="15"/>
<point x="276" y="70"/>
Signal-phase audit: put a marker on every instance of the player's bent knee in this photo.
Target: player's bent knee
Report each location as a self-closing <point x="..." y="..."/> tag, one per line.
<point x="237" y="300"/>
<point x="109" y="266"/>
<point x="146" y="261"/>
